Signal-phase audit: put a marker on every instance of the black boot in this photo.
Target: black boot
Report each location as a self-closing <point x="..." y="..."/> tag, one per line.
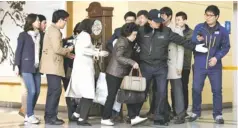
<point x="161" y="122"/>
<point x="180" y="118"/>
<point x="83" y="123"/>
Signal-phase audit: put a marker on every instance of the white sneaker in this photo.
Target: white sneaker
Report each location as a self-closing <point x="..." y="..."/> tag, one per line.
<point x="33" y="120"/>
<point x="137" y="120"/>
<point x="107" y="122"/>
<point x="26" y="118"/>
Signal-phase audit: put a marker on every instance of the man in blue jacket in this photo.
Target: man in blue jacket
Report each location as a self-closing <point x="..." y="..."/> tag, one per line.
<point x="216" y="39"/>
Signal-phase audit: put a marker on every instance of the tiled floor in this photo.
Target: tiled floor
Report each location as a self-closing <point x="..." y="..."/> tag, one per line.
<point x="10" y="119"/>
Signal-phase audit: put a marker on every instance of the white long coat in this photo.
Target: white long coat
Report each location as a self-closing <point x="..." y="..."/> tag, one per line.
<point x="82" y="78"/>
<point x="175" y="55"/>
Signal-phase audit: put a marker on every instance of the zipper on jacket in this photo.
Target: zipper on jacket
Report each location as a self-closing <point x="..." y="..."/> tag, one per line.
<point x="151" y="42"/>
<point x="210" y="43"/>
<point x="214" y="41"/>
<point x="208" y="46"/>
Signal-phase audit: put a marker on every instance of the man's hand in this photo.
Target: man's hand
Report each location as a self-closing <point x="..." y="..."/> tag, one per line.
<point x="179" y="71"/>
<point x="200" y="38"/>
<point x="212" y="61"/>
<point x="71" y="48"/>
<point x="70" y="56"/>
<point x="200" y="48"/>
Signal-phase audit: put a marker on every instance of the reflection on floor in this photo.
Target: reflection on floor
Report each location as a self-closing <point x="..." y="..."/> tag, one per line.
<point x="10" y="119"/>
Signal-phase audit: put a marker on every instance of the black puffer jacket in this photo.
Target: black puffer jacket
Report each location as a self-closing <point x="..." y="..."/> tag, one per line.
<point x="154" y="44"/>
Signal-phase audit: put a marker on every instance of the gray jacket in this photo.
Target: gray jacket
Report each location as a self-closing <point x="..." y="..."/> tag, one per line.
<point x="175" y="55"/>
<point x="121" y="62"/>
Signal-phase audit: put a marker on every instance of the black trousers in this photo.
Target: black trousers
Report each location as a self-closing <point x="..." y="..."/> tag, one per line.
<point x="53" y="96"/>
<point x="71" y="102"/>
<point x="84" y="108"/>
<point x="133" y="110"/>
<point x="113" y="84"/>
<point x="185" y="80"/>
<point x="153" y="91"/>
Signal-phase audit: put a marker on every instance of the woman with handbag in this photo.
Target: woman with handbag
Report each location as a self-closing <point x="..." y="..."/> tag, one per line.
<point x="82" y="83"/>
<point x="118" y="67"/>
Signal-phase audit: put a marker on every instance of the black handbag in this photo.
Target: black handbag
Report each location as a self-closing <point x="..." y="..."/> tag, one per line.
<point x="130" y="97"/>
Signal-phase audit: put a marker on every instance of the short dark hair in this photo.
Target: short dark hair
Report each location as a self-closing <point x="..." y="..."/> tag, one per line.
<point x="30" y="19"/>
<point x="167" y="11"/>
<point x="214" y="9"/>
<point x="76" y="28"/>
<point x="41" y="17"/>
<point x="59" y="14"/>
<point x="128" y="28"/>
<point x="182" y="14"/>
<point x="86" y="26"/>
<point x="128" y="14"/>
<point x="143" y="12"/>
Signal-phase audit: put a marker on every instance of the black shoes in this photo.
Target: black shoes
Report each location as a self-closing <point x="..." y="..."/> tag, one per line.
<point x="83" y="123"/>
<point x="54" y="121"/>
<point x="179" y="121"/>
<point x="161" y="122"/>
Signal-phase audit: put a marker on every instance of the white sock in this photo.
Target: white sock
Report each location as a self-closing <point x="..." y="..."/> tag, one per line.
<point x="80" y="119"/>
<point x="76" y="115"/>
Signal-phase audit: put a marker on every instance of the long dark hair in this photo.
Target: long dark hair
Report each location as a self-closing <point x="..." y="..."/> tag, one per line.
<point x="30" y="19"/>
<point x="86" y="26"/>
<point x="77" y="28"/>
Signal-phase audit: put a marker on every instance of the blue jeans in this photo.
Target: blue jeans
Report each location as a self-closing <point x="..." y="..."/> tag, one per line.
<point x="215" y="77"/>
<point x="32" y="82"/>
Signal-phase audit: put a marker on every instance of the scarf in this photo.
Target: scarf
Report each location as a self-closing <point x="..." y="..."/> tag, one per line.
<point x="36" y="39"/>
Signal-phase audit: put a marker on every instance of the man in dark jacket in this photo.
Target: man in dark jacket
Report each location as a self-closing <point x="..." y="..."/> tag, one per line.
<point x="128" y="17"/>
<point x="153" y="60"/>
<point x="216" y="38"/>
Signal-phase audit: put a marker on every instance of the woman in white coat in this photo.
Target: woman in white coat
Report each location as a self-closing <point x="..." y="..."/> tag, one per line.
<point x="82" y="83"/>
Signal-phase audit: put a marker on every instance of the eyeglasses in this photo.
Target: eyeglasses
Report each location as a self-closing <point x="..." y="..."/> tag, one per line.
<point x="207" y="15"/>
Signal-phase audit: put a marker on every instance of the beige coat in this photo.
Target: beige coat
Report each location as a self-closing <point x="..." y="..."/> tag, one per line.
<point x="82" y="82"/>
<point x="175" y="56"/>
<point x="52" y="61"/>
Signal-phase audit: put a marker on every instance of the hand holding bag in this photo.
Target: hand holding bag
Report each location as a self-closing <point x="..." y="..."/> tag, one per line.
<point x="134" y="83"/>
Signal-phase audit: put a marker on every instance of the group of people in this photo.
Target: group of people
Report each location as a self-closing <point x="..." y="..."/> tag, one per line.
<point x="148" y="40"/>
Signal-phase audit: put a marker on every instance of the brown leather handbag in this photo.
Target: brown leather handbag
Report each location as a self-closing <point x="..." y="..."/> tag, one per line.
<point x="134" y="83"/>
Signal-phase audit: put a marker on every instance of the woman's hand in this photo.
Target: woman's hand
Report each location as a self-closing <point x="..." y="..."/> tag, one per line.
<point x="16" y="70"/>
<point x="136" y="66"/>
<point x="103" y="53"/>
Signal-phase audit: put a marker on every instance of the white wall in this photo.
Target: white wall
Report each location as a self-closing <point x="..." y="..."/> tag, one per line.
<point x="235" y="57"/>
